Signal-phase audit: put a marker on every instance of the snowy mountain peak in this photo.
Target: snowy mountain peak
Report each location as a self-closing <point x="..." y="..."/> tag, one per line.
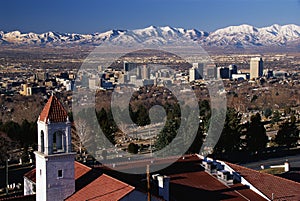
<point x="242" y="36"/>
<point x="241" y="29"/>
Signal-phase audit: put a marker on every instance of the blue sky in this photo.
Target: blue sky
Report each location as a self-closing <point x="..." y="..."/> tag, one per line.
<point x="89" y="16"/>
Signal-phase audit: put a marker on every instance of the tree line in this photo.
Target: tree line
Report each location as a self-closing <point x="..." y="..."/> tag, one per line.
<point x="236" y="136"/>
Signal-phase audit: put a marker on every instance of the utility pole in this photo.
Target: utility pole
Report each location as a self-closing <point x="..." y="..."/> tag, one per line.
<point x="148" y="183"/>
<point x="6" y="176"/>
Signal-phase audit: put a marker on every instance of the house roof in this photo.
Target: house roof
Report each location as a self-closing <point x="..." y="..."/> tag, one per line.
<point x="31" y="175"/>
<point x="92" y="184"/>
<point x="282" y="189"/>
<point x="293" y="174"/>
<point x="189" y="181"/>
<point x="80" y="170"/>
<point x="196" y="182"/>
<point x="104" y="188"/>
<point x="53" y="111"/>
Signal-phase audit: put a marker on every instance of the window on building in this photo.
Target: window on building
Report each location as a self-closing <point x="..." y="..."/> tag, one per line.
<point x="40" y="171"/>
<point x="58" y="142"/>
<point x="59" y="173"/>
<point x="42" y="148"/>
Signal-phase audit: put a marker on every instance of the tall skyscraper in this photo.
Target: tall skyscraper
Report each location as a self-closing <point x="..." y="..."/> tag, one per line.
<point x="256" y="67"/>
<point x="199" y="67"/>
<point x="196" y="72"/>
<point x="129" y="67"/>
<point x="223" y="73"/>
<point x="145" y="72"/>
<point x="211" y="71"/>
<point x="232" y="69"/>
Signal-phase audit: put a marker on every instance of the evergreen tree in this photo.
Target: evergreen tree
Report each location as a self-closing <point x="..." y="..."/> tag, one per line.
<point x="267" y="112"/>
<point x="275" y="117"/>
<point x="288" y="134"/>
<point x="256" y="138"/>
<point x="205" y="113"/>
<point x="133" y="148"/>
<point x="230" y="139"/>
<point x="142" y="116"/>
<point x="107" y="124"/>
<point x="167" y="134"/>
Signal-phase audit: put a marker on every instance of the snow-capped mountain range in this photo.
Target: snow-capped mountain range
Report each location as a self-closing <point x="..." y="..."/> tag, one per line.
<point x="242" y="36"/>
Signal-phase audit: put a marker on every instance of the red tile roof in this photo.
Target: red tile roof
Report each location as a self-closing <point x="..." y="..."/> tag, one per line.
<point x="31" y="175"/>
<point x="104" y="188"/>
<point x="189" y="181"/>
<point x="80" y="170"/>
<point x="53" y="111"/>
<point x="196" y="184"/>
<point x="283" y="189"/>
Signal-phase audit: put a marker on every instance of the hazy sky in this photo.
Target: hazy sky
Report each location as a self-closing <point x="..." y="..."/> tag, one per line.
<point x="88" y="16"/>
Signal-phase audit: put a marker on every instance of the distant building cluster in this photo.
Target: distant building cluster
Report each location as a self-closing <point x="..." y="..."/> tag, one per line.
<point x="130" y="73"/>
<point x="203" y="71"/>
<point x="140" y="74"/>
<point x="39" y="82"/>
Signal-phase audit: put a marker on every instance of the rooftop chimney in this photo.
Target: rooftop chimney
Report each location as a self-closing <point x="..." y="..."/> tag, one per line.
<point x="163" y="186"/>
<point x="286" y="166"/>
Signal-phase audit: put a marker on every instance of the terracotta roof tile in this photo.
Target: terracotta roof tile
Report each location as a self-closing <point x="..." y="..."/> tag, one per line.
<point x="80" y="170"/>
<point x="104" y="188"/>
<point x="189" y="181"/>
<point x="283" y="189"/>
<point x="31" y="175"/>
<point x="53" y="111"/>
<point x="198" y="183"/>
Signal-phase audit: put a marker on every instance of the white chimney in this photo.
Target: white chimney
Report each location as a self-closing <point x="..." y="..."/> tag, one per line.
<point x="163" y="186"/>
<point x="286" y="166"/>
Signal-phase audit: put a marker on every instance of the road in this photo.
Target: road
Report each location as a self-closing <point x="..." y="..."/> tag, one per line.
<point x="293" y="160"/>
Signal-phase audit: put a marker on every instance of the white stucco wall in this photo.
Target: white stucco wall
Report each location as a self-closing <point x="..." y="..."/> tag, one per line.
<point x="48" y="185"/>
<point x="29" y="187"/>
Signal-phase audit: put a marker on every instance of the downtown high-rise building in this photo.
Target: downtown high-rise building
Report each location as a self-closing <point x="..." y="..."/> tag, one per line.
<point x="145" y="72"/>
<point x="256" y="67"/>
<point x="196" y="72"/>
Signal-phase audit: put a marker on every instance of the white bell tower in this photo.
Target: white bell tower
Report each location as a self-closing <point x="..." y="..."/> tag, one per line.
<point x="54" y="158"/>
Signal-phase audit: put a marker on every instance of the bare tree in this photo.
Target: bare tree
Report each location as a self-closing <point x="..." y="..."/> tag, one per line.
<point x="84" y="135"/>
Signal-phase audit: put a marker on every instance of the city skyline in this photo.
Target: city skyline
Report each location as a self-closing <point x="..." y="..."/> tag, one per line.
<point x="79" y="17"/>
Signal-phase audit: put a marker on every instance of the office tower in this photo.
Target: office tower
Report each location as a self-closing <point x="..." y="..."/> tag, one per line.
<point x="256" y="67"/>
<point x="211" y="71"/>
<point x="223" y="73"/>
<point x="196" y="72"/>
<point x="232" y="69"/>
<point x="129" y="66"/>
<point x="145" y="72"/>
<point x="199" y="67"/>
